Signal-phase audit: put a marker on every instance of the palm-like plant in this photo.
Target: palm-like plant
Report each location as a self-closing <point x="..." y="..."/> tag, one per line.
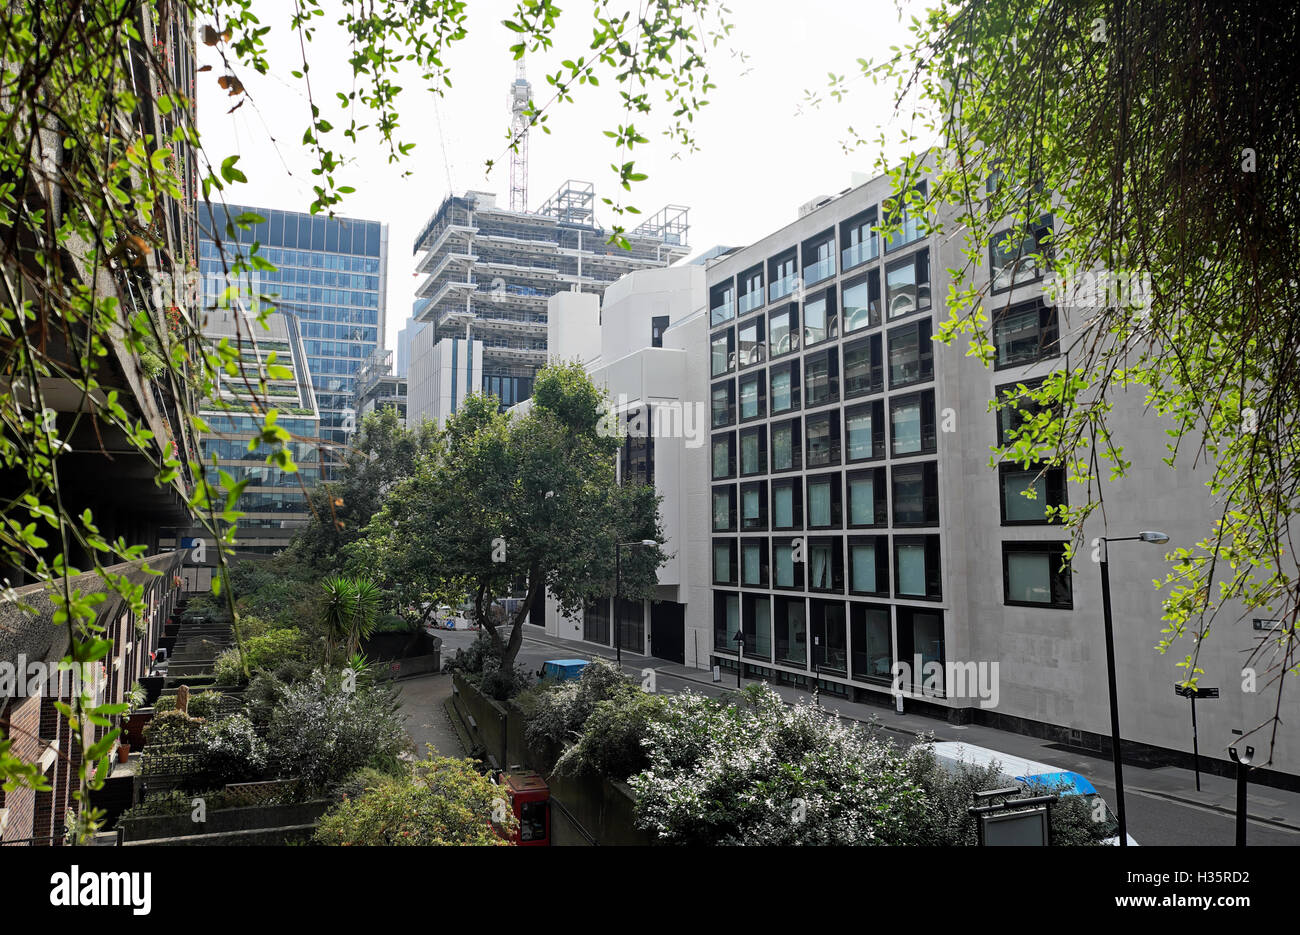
<point x="350" y="613"/>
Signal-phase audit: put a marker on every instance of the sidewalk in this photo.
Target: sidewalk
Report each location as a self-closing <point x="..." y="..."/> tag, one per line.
<point x="1270" y="805"/>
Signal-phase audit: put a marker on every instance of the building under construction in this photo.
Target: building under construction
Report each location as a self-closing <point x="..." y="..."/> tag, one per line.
<point x="488" y="272"/>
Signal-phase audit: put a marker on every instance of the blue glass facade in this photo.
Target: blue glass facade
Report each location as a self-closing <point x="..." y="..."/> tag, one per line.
<point x="331" y="274"/>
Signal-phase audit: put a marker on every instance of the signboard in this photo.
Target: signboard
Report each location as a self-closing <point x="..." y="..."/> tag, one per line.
<point x="1027" y="828"/>
<point x="1188" y="691"/>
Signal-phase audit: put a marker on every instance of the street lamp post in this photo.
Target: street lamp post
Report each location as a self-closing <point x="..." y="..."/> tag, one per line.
<point x="740" y="653"/>
<point x="1243" y="777"/>
<point x="1155" y="538"/>
<point x="618" y="573"/>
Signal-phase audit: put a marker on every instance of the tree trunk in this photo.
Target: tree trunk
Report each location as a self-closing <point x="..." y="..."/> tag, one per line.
<point x="517" y="625"/>
<point x="484" y="619"/>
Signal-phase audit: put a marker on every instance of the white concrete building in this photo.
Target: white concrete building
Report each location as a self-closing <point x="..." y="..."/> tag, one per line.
<point x="856" y="522"/>
<point x="645" y="345"/>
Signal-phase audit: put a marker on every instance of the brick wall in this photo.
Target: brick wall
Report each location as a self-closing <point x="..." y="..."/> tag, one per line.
<point x="25" y="719"/>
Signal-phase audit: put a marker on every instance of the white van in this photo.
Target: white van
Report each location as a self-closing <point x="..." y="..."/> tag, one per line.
<point x="951" y="753"/>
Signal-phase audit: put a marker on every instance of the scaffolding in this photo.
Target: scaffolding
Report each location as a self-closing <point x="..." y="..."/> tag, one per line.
<point x="573" y="203"/>
<point x="669" y="225"/>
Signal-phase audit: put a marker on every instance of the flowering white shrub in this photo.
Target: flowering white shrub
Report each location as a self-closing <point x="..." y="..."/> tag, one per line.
<point x="759" y="771"/>
<point x="232" y="751"/>
<point x="321" y="732"/>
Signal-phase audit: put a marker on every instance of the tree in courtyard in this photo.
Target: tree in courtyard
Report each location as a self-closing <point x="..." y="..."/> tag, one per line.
<point x="525" y="500"/>
<point x="382" y="453"/>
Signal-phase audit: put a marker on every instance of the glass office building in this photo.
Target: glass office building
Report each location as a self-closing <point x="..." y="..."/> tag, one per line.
<point x="331" y="274"/>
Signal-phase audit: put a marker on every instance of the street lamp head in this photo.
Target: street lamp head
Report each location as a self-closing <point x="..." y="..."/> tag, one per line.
<point x="649" y="543"/>
<point x="1156" y="538"/>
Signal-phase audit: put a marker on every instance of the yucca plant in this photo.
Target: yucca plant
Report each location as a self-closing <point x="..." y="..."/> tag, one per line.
<point x="350" y="612"/>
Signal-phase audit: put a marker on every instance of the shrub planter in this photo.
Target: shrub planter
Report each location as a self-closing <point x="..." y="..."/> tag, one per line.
<point x="221" y="821"/>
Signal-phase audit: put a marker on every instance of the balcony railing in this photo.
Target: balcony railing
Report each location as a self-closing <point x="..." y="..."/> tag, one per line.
<point x="860" y="253"/>
<point x="751" y="300"/>
<point x="822" y="269"/>
<point x="781" y="288"/>
<point x="720" y="312"/>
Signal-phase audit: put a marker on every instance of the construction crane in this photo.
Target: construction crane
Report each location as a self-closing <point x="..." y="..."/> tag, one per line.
<point x="521" y="92"/>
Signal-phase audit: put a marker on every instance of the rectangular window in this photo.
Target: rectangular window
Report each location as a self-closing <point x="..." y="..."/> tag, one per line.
<point x="781" y="275"/>
<point x="916" y="494"/>
<point x="906" y="215"/>
<point x="1032" y="574"/>
<point x="911" y="424"/>
<point x="752" y="344"/>
<point x="753" y="562"/>
<point x="1015" y="407"/>
<point x="911" y="355"/>
<point x="819" y="258"/>
<point x="787" y="573"/>
<point x="869" y="565"/>
<point x="753" y="450"/>
<point x="1025" y="334"/>
<point x="724" y="508"/>
<point x="907" y="285"/>
<point x="724" y="455"/>
<point x="1027" y="493"/>
<point x="753" y="396"/>
<point x="825" y="565"/>
<point x="830" y="637"/>
<point x="861" y="242"/>
<point x="783" y="331"/>
<point x="787" y="450"/>
<point x="751" y="289"/>
<point x="726" y="620"/>
<point x="758" y="626"/>
<point x="821" y="378"/>
<point x="867" y="501"/>
<point x="789" y="631"/>
<point x="824" y="501"/>
<point x="920" y="640"/>
<point x="820" y="322"/>
<point x="1017" y="256"/>
<point x="785" y="388"/>
<point x="863" y="369"/>
<point x="753" y="506"/>
<point x="864" y="431"/>
<point x="861" y="302"/>
<point x="823" y="436"/>
<point x="658" y="325"/>
<point x="723" y="358"/>
<point x="724" y="403"/>
<point x="787" y="504"/>
<point x="916" y="567"/>
<point x="724" y="561"/>
<point x="721" y="303"/>
<point x="869" y="635"/>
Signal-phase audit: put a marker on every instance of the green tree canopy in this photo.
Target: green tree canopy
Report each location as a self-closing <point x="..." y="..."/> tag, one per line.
<point x="528" y="499"/>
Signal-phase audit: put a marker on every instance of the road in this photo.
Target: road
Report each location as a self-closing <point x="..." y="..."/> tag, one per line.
<point x="1152" y="819"/>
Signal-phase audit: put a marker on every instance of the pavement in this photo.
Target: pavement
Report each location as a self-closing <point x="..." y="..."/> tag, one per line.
<point x="427" y="722"/>
<point x="1164" y="806"/>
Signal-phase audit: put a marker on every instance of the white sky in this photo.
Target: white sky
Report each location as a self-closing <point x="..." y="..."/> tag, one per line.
<point x="759" y="157"/>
